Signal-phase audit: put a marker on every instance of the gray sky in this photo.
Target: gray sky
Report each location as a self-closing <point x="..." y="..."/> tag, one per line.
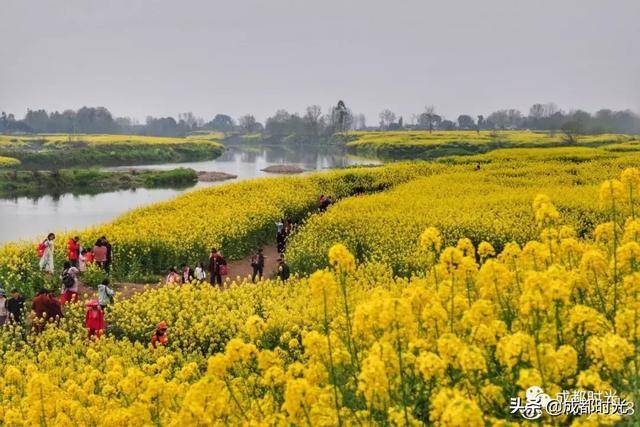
<point x="141" y="57"/>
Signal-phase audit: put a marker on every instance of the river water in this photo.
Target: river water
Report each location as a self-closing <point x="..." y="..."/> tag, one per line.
<point x="30" y="218"/>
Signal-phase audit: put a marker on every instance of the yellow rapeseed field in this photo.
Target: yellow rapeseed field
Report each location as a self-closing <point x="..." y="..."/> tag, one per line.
<point x="352" y="345"/>
<point x="490" y="204"/>
<point x="55" y="139"/>
<point x="423" y="144"/>
<point x="430" y="293"/>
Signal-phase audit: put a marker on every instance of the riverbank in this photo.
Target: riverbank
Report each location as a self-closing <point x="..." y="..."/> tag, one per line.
<point x="65" y="150"/>
<point x="406" y="145"/>
<point x="22" y="183"/>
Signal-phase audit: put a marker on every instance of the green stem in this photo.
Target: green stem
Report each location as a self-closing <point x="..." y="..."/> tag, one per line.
<point x="401" y="367"/>
<point x="331" y="366"/>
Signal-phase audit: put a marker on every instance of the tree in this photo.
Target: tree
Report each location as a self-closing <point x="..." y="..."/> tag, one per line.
<point x="221" y="123"/>
<point x="341" y="117"/>
<point x="313" y="122"/>
<point x="480" y="123"/>
<point x="188" y="119"/>
<point x="506" y="119"/>
<point x="428" y="119"/>
<point x="249" y="124"/>
<point x="447" y="125"/>
<point x="163" y="126"/>
<point x="359" y="122"/>
<point x="38" y="120"/>
<point x="387" y="118"/>
<point x="94" y="120"/>
<point x="466" y="122"/>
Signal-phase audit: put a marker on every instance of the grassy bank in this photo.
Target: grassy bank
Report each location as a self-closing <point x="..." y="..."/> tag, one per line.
<point x="61" y="150"/>
<point x="18" y="183"/>
<point x="425" y="145"/>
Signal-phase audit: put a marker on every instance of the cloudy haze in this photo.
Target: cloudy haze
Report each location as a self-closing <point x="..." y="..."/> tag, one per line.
<point x="141" y="57"/>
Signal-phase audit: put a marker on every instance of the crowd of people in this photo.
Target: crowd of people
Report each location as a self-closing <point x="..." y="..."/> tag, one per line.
<point x="78" y="256"/>
<point x="46" y="306"/>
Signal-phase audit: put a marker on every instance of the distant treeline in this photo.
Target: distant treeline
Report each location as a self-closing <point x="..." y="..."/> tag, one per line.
<point x="541" y="117"/>
<point x="314" y="123"/>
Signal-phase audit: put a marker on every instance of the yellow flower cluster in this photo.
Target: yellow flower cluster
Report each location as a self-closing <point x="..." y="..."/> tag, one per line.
<point x="8" y="162"/>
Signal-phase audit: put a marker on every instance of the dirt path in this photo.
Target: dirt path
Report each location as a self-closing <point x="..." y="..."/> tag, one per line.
<point x="239" y="268"/>
<point x="242" y="267"/>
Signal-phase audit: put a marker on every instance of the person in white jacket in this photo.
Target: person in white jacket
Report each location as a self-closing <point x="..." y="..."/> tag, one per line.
<point x="105" y="294"/>
<point x="46" y="261"/>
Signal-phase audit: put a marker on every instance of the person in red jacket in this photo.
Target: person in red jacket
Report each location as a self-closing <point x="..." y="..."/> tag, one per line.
<point x="160" y="336"/>
<point x="73" y="251"/>
<point x="45" y="308"/>
<point x="94" y="320"/>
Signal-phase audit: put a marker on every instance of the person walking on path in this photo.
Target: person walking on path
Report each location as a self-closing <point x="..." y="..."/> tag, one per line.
<point x="281" y="235"/>
<point x="109" y="257"/>
<point x="100" y="254"/>
<point x="257" y="264"/>
<point x="69" y="278"/>
<point x="160" y="336"/>
<point x="15" y="306"/>
<point x="283" y="270"/>
<point x="105" y="294"/>
<point x="288" y="227"/>
<point x="94" y="319"/>
<point x="216" y="263"/>
<point x="45" y="250"/>
<point x="73" y="251"/>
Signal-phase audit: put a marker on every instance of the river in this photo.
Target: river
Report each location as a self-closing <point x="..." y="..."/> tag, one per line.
<point x="31" y="218"/>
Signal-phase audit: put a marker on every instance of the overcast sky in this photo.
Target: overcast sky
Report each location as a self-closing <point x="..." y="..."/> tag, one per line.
<point x="145" y="57"/>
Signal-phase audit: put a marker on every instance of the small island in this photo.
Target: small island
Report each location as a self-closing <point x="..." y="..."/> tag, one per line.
<point x="283" y="169"/>
<point x="215" y="176"/>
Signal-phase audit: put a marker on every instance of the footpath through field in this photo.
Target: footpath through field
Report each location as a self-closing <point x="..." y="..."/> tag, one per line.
<point x="238" y="268"/>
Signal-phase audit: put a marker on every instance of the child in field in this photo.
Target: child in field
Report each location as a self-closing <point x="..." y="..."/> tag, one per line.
<point x="160" y="336"/>
<point x="82" y="261"/>
<point x="283" y="270"/>
<point x="187" y="275"/>
<point x="15" y="306"/>
<point x="199" y="273"/>
<point x="89" y="257"/>
<point x="172" y="277"/>
<point x="94" y="320"/>
<point x="73" y="251"/>
<point x="105" y="294"/>
<point x="69" y="278"/>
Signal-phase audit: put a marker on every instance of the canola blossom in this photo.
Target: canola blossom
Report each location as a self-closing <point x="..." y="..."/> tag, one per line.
<point x="353" y="344"/>
<point x="8" y="162"/>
